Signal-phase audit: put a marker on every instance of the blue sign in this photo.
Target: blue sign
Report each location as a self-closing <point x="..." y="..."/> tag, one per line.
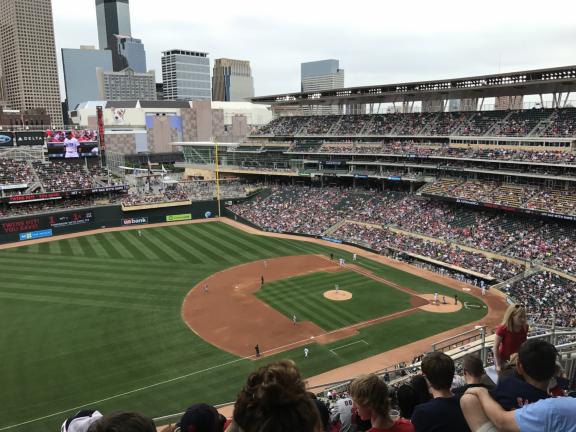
<point x="332" y="239"/>
<point x="35" y="234"/>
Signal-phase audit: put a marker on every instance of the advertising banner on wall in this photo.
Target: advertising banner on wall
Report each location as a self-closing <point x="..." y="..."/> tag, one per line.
<point x="179" y="217"/>
<point x="70" y="219"/>
<point x="29" y="138"/>
<point x="135" y="221"/>
<point x="35" y="235"/>
<point x="6" y="139"/>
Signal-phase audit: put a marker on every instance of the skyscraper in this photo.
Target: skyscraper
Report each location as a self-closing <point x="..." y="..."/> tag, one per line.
<point x="113" y="18"/>
<point x="232" y="80"/>
<point x="126" y="85"/>
<point x="322" y="75"/>
<point x="186" y="75"/>
<point x="80" y="77"/>
<point x="128" y="52"/>
<point x="28" y="56"/>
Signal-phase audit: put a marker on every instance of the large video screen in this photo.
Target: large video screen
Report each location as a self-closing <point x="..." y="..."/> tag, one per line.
<point x="72" y="144"/>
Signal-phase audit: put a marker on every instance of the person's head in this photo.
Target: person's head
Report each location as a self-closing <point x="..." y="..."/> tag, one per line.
<point x="370" y="396"/>
<point x="473" y="368"/>
<point x="407" y="399"/>
<point x="123" y="421"/>
<point x="201" y="418"/>
<point x="537" y="360"/>
<point x="420" y="386"/>
<point x="438" y="368"/>
<point x="515" y="318"/>
<point x="274" y="398"/>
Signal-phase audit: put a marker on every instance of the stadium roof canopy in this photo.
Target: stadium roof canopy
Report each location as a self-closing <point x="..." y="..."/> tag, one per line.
<point x="534" y="82"/>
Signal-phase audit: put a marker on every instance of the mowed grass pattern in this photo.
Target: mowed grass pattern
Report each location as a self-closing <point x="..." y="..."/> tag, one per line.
<point x="94" y="322"/>
<point x="303" y="296"/>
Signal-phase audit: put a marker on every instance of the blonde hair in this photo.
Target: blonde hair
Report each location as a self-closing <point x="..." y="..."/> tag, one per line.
<point x="371" y="391"/>
<point x="511" y="312"/>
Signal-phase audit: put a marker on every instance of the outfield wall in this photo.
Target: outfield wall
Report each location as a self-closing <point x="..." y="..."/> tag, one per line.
<point x="24" y="228"/>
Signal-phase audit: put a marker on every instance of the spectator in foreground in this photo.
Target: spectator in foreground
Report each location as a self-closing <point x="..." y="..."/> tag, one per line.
<point x="274" y="399"/>
<point x="442" y="413"/>
<point x="81" y="421"/>
<point x="536" y="365"/>
<point x="510" y="335"/>
<point x="199" y="417"/>
<point x="550" y="415"/>
<point x="371" y="399"/>
<point x="535" y="368"/>
<point x="473" y="370"/>
<point x="123" y="421"/>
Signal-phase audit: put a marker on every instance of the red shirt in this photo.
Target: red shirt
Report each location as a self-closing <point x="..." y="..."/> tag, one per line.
<point x="400" y="425"/>
<point x="511" y="341"/>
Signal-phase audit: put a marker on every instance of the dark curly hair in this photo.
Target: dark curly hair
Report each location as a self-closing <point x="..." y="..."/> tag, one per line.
<point x="274" y="399"/>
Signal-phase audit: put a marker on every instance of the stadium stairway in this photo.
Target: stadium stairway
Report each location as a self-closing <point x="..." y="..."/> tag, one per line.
<point x="335" y="227"/>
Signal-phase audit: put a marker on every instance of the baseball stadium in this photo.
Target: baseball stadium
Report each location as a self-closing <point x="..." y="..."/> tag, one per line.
<point x="357" y="232"/>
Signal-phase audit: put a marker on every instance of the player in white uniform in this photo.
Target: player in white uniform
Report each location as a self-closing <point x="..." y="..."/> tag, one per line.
<point x="71" y="144"/>
<point x="294" y="319"/>
<point x="354" y="257"/>
<point x="435" y="298"/>
<point x="306" y="351"/>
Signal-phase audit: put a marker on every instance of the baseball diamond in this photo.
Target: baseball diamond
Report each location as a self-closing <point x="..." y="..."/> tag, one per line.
<point x="117" y="308"/>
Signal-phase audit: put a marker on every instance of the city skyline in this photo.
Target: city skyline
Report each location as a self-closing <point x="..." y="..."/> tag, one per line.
<point x="375" y="44"/>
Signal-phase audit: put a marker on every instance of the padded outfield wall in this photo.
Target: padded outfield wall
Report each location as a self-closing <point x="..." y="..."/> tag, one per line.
<point x="22" y="228"/>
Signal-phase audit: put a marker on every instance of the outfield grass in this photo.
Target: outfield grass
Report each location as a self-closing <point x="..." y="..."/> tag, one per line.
<point x="302" y="296"/>
<point x="95" y="322"/>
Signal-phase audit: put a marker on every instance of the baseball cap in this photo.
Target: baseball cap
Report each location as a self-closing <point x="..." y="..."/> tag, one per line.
<point x="201" y="418"/>
<point x="81" y="421"/>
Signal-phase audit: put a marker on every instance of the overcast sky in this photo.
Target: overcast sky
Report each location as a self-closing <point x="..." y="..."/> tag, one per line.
<point x="377" y="42"/>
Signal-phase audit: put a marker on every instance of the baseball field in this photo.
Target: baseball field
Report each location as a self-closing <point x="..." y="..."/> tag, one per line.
<point x="159" y="321"/>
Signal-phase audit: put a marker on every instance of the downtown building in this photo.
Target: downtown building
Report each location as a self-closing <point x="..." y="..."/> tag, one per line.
<point x="321" y="75"/>
<point x="113" y="18"/>
<point x="126" y="85"/>
<point x="186" y="75"/>
<point x="28" y="57"/>
<point x="232" y="81"/>
<point x="80" y="73"/>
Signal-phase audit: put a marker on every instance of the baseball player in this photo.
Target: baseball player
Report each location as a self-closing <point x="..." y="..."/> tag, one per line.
<point x="257" y="349"/>
<point x="337" y="287"/>
<point x="265" y="264"/>
<point x="262" y="280"/>
<point x="354" y="257"/>
<point x="436" y="298"/>
<point x="294" y="319"/>
<point x="306" y="351"/>
<point x="205" y="288"/>
<point x="139" y="233"/>
<point x="483" y="290"/>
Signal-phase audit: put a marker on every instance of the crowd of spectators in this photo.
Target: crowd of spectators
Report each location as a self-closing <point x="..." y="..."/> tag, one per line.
<point x="136" y="199"/>
<point x="551" y="244"/>
<point x="529" y="197"/>
<point x="438" y="394"/>
<point x="548" y="298"/>
<point x="544" y="122"/>
<point x="206" y="190"/>
<point x="413" y="149"/>
<point x="58" y="176"/>
<point x="13" y="172"/>
<point x="22" y="209"/>
<point x="382" y="239"/>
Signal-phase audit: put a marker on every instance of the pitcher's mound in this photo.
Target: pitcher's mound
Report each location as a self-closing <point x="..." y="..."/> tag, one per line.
<point x="339" y="295"/>
<point x="440" y="307"/>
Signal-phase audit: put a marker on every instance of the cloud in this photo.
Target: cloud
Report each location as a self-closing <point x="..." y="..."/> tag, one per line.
<point x="376" y="43"/>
